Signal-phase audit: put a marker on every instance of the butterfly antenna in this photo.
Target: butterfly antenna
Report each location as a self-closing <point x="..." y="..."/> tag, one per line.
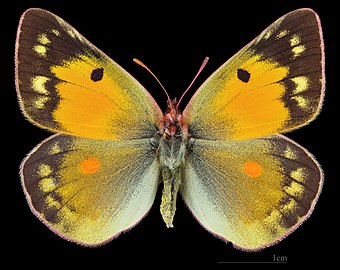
<point x="205" y="61"/>
<point x="144" y="66"/>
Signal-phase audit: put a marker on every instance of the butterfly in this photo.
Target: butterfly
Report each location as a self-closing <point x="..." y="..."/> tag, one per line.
<point x="241" y="179"/>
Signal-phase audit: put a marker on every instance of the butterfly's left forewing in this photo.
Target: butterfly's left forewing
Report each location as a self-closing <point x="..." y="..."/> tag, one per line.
<point x="273" y="85"/>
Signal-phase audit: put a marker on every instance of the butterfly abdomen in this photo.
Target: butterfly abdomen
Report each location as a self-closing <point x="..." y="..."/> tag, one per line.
<point x="171" y="155"/>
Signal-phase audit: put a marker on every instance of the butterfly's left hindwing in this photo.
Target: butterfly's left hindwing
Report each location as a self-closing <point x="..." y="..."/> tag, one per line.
<point x="88" y="191"/>
<point x="273" y="85"/>
<point x="251" y="192"/>
<point x="66" y="84"/>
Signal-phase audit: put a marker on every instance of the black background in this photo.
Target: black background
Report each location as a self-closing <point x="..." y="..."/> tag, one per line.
<point x="172" y="39"/>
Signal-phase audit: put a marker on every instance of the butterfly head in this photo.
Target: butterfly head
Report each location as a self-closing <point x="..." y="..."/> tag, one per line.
<point x="172" y="121"/>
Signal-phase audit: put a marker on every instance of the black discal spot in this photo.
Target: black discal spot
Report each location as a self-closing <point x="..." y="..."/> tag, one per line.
<point x="243" y="75"/>
<point x="97" y="74"/>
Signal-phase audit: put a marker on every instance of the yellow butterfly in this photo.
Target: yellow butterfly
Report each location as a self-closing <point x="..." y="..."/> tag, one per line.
<point x="241" y="179"/>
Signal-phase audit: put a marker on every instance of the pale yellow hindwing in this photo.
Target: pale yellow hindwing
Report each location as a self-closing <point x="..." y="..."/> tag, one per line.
<point x="253" y="192"/>
<point x="88" y="191"/>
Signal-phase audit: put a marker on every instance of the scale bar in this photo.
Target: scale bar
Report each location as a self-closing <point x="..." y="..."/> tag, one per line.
<point x="253" y="262"/>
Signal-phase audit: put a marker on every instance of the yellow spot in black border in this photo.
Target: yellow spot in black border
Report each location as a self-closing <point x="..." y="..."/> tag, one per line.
<point x="38" y="84"/>
<point x="55" y="149"/>
<point x="295" y="189"/>
<point x="282" y="34"/>
<point x="298" y="174"/>
<point x="55" y="32"/>
<point x="39" y="103"/>
<point x="90" y="165"/>
<point x="40" y="50"/>
<point x="44" y="170"/>
<point x="302" y="101"/>
<point x="47" y="184"/>
<point x="301" y="84"/>
<point x="295" y="40"/>
<point x="43" y="39"/>
<point x="289" y="153"/>
<point x="51" y="202"/>
<point x="298" y="50"/>
<point x="252" y="169"/>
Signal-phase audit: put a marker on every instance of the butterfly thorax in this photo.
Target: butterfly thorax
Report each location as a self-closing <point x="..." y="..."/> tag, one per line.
<point x="171" y="157"/>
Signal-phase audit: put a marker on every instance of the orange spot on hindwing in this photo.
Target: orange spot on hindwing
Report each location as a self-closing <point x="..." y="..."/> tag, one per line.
<point x="252" y="169"/>
<point x="90" y="165"/>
